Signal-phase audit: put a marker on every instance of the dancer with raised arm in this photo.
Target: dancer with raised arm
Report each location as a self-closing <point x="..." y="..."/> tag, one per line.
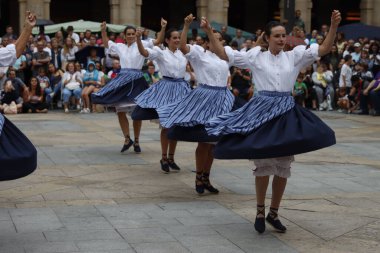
<point x="170" y="89"/>
<point x="18" y="156"/>
<point x="271" y="128"/>
<point x="130" y="82"/>
<point x="210" y="99"/>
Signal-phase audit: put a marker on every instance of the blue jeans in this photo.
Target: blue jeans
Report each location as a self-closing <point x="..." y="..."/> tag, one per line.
<point x="47" y="91"/>
<point x="375" y="99"/>
<point x="68" y="93"/>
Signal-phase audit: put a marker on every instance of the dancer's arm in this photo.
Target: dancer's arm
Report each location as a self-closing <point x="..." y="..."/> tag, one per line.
<point x="325" y="48"/>
<point x="140" y="45"/>
<point x="183" y="42"/>
<point x="103" y="29"/>
<point x="161" y="35"/>
<point x="30" y="22"/>
<point x="216" y="45"/>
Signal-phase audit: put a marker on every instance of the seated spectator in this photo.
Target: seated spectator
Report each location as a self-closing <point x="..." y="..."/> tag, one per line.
<point x="323" y="86"/>
<point x="19" y="66"/>
<point x="59" y="37"/>
<point x="14" y="92"/>
<point x="71" y="82"/>
<point x="93" y="57"/>
<point x="364" y="57"/>
<point x="313" y="38"/>
<point x="68" y="52"/>
<point x="348" y="102"/>
<point x="374" y="57"/>
<point x="241" y="83"/>
<point x="35" y="101"/>
<point x="151" y="76"/>
<point x="340" y="42"/>
<point x="92" y="81"/>
<point x="41" y="58"/>
<point x="44" y="83"/>
<point x="356" y="54"/>
<point x="371" y="94"/>
<point x="115" y="70"/>
<point x="300" y="90"/>
<point x="72" y="34"/>
<point x="55" y="79"/>
<point x="87" y="36"/>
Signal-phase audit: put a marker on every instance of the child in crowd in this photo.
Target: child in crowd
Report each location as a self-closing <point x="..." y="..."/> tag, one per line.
<point x="300" y="92"/>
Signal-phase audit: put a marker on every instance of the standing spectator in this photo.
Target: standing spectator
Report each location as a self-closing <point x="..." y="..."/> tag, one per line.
<point x="324" y="30"/>
<point x="41" y="58"/>
<point x="92" y="41"/>
<point x="19" y="66"/>
<point x="199" y="40"/>
<point x="374" y="57"/>
<point x="227" y="38"/>
<point x="356" y="54"/>
<point x="41" y="35"/>
<point x="72" y="34"/>
<point x="35" y="102"/>
<point x="59" y="37"/>
<point x="241" y="83"/>
<point x="340" y="42"/>
<point x="239" y="38"/>
<point x="248" y="44"/>
<point x="56" y="52"/>
<point x="68" y="52"/>
<point x="298" y="20"/>
<point x="300" y="90"/>
<point x="313" y="37"/>
<point x="87" y="36"/>
<point x="71" y="82"/>
<point x="9" y="33"/>
<point x="257" y="34"/>
<point x="346" y="74"/>
<point x="370" y="93"/>
<point x="4" y="41"/>
<point x="332" y="59"/>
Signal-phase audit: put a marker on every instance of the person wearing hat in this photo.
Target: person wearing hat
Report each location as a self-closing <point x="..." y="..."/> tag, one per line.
<point x="356" y="54"/>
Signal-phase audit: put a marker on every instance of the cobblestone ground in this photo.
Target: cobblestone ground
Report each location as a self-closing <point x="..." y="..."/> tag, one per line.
<point x="87" y="197"/>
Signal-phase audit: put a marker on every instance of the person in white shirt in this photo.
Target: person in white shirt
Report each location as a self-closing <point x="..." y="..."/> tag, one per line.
<point x="68" y="52"/>
<point x="129" y="83"/>
<point x="346" y="74"/>
<point x="72" y="34"/>
<point x="271" y="128"/>
<point x="168" y="90"/>
<point x="18" y="156"/>
<point x="186" y="117"/>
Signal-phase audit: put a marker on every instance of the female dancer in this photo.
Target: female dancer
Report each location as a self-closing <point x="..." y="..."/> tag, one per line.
<point x="211" y="98"/>
<point x="130" y="82"/>
<point x="270" y="128"/>
<point x="170" y="89"/>
<point x="18" y="156"/>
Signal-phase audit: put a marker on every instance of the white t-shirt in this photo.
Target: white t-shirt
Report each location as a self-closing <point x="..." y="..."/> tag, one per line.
<point x="347" y="73"/>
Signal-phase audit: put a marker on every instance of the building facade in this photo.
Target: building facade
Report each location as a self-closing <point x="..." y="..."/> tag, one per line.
<point x="245" y="14"/>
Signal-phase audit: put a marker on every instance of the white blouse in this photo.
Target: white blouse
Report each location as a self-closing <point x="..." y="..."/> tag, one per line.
<point x="274" y="72"/>
<point x="170" y="64"/>
<point x="208" y="67"/>
<point x="130" y="56"/>
<point x="8" y="55"/>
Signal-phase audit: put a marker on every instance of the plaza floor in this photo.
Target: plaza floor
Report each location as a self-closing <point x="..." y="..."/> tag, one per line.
<point x="85" y="196"/>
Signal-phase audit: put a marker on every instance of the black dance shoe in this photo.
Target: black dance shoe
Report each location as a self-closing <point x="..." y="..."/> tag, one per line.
<point x="126" y="146"/>
<point x="164" y="166"/>
<point x="208" y="186"/>
<point x="199" y="186"/>
<point x="173" y="165"/>
<point x="137" y="148"/>
<point x="260" y="224"/>
<point x="275" y="222"/>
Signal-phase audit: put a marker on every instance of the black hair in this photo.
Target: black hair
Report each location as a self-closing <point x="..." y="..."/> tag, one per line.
<point x="168" y="35"/>
<point x="206" y="39"/>
<point x="38" y="88"/>
<point x="270" y="25"/>
<point x="129" y="27"/>
<point x="347" y="58"/>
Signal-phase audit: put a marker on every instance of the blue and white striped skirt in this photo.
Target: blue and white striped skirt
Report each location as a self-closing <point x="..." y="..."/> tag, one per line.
<point x="127" y="85"/>
<point x="270" y="125"/>
<point x="166" y="91"/>
<point x="18" y="156"/>
<point x="189" y="115"/>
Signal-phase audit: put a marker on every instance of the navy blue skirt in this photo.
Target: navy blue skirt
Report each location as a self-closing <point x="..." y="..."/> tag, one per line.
<point x="18" y="156"/>
<point x="127" y="85"/>
<point x="295" y="131"/>
<point x="166" y="91"/>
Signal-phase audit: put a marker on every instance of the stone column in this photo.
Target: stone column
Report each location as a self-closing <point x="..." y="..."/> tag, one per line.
<point x="22" y="10"/>
<point x="138" y="12"/>
<point x="115" y="11"/>
<point x="46" y="14"/>
<point x="202" y="8"/>
<point x="218" y="11"/>
<point x="305" y="7"/>
<point x="128" y="10"/>
<point x="376" y="11"/>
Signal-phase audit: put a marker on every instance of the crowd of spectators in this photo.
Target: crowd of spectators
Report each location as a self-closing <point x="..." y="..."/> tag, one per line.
<point x="50" y="75"/>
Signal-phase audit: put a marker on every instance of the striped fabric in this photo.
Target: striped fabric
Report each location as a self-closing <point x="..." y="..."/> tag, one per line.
<point x="125" y="77"/>
<point x="202" y="104"/>
<point x="1" y="123"/>
<point x="166" y="91"/>
<point x="259" y="110"/>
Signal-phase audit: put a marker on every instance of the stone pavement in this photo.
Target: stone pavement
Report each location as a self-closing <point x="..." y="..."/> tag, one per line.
<point x="87" y="197"/>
